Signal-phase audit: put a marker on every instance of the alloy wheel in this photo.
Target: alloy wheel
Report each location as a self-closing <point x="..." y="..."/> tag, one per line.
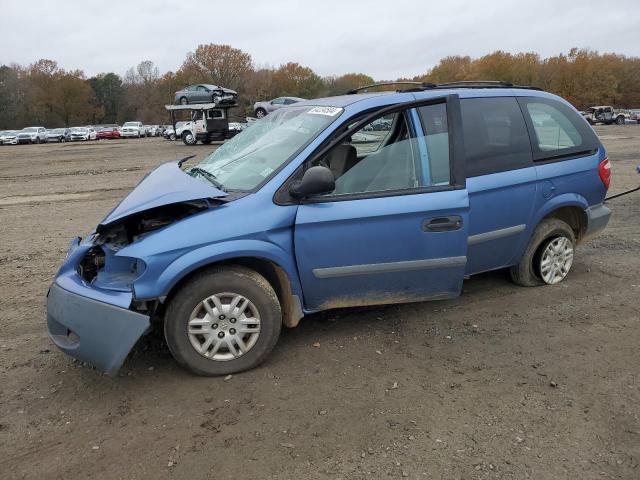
<point x="556" y="260"/>
<point x="224" y="326"/>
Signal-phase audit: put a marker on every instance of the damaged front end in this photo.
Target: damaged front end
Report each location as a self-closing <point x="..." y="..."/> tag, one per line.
<point x="92" y="311"/>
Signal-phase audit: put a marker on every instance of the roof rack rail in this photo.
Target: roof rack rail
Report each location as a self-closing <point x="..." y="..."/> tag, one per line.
<point x="385" y="84"/>
<point x="421" y="86"/>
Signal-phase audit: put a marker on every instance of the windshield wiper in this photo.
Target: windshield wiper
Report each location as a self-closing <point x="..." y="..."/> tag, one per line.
<point x="209" y="176"/>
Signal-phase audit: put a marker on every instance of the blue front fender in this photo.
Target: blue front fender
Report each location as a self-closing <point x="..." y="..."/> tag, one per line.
<point x="152" y="286"/>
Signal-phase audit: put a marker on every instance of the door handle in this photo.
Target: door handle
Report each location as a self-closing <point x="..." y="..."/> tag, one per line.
<point x="442" y="224"/>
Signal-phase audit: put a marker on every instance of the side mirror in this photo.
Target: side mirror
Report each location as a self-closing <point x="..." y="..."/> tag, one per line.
<point x="315" y="181"/>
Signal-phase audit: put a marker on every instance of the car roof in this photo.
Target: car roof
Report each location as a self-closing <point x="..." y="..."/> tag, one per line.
<point x="389" y="97"/>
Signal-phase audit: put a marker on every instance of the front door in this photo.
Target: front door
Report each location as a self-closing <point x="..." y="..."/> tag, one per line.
<point x="395" y="227"/>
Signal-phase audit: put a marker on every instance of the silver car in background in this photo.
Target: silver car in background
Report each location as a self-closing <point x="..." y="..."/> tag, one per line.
<point x="260" y="109"/>
<point x="9" y="137"/>
<point x="206" y="93"/>
<point x="32" y="135"/>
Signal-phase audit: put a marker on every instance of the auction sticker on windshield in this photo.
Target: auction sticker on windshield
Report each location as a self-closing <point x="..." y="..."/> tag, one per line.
<point x="330" y="111"/>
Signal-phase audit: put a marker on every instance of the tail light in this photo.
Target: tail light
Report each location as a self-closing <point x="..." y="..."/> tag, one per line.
<point x="604" y="170"/>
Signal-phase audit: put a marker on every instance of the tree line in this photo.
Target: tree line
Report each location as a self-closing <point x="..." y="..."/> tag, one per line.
<point x="43" y="93"/>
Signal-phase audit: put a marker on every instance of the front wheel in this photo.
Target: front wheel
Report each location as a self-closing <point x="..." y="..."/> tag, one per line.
<point x="620" y="120"/>
<point x="261" y="113"/>
<point x="189" y="138"/>
<point x="548" y="257"/>
<point x="184" y="101"/>
<point x="224" y="320"/>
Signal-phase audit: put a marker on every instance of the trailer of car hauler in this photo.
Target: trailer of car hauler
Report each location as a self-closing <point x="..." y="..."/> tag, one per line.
<point x="208" y="122"/>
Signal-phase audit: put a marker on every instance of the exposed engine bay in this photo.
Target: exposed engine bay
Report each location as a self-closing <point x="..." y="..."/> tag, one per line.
<point x="133" y="227"/>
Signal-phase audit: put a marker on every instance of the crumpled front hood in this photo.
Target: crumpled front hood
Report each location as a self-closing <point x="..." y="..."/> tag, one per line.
<point x="165" y="185"/>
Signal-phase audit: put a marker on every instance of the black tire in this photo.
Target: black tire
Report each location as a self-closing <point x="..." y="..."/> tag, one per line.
<point x="527" y="272"/>
<point x="243" y="281"/>
<point x="172" y="137"/>
<point x="260" y="112"/>
<point x="620" y="120"/>
<point x="188" y="138"/>
<point x="184" y="101"/>
<point x="37" y="140"/>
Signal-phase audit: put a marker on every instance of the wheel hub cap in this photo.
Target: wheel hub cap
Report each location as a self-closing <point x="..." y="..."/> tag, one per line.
<point x="556" y="260"/>
<point x="224" y="326"/>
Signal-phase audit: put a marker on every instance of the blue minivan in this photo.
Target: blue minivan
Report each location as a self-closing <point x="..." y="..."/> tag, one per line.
<point x="361" y="199"/>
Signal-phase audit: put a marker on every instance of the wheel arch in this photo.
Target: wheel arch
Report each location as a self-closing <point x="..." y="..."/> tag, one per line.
<point x="268" y="260"/>
<point x="570" y="208"/>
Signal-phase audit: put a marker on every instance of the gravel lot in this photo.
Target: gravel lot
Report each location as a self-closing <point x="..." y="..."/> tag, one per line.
<point x="504" y="382"/>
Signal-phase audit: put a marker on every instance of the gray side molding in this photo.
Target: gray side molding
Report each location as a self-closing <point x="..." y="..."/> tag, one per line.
<point x="373" y="268"/>
<point x="495" y="234"/>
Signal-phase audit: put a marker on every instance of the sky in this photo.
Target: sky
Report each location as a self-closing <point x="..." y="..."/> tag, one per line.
<point x="386" y="39"/>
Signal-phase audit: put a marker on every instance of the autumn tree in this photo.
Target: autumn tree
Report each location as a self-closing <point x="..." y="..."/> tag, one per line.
<point x="349" y="81"/>
<point x="294" y="80"/>
<point x="218" y="64"/>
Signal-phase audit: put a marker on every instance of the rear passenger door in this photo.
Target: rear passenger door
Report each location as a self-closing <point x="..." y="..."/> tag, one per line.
<point x="501" y="181"/>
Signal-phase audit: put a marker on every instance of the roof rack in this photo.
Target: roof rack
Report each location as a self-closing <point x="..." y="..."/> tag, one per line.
<point x="383" y="84"/>
<point x="421" y="86"/>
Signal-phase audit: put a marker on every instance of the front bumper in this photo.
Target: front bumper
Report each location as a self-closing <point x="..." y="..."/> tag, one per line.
<point x="597" y="219"/>
<point x="92" y="331"/>
<point x="92" y="324"/>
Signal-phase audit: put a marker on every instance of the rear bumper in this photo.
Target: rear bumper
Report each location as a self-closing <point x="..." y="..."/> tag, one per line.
<point x="597" y="219"/>
<point x="93" y="331"/>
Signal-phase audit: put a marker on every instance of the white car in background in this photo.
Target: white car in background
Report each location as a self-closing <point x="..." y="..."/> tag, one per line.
<point x="133" y="129"/>
<point x="9" y="137"/>
<point x="83" y="134"/>
<point x="32" y="135"/>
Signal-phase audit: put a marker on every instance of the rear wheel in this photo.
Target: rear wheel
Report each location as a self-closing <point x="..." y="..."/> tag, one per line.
<point x="260" y="112"/>
<point x="548" y="257"/>
<point x="224" y="320"/>
<point x="184" y="101"/>
<point x="620" y="120"/>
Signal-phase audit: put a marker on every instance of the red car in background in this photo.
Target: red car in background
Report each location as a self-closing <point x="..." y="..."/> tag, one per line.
<point x="108" y="132"/>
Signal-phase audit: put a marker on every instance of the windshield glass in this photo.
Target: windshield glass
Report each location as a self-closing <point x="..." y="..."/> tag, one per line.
<point x="246" y="160"/>
<point x="130" y="124"/>
<point x="79" y="130"/>
<point x="57" y="130"/>
<point x="30" y="129"/>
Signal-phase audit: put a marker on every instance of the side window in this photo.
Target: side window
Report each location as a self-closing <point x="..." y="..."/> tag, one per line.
<point x="201" y="88"/>
<point x="386" y="155"/>
<point x="495" y="135"/>
<point x="278" y="101"/>
<point x="289" y="101"/>
<point x="556" y="129"/>
<point x="553" y="130"/>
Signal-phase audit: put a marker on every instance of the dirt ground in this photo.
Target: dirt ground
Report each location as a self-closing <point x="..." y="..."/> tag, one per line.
<point x="504" y="382"/>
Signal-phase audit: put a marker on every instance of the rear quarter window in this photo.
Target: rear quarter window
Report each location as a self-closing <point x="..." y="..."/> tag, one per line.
<point x="495" y="135"/>
<point x="557" y="131"/>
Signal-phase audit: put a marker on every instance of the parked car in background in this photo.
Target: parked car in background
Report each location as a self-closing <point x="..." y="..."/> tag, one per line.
<point x="260" y="109"/>
<point x="290" y="218"/>
<point x="151" y="130"/>
<point x="206" y="93"/>
<point x="108" y="133"/>
<point x="604" y="114"/>
<point x="83" y="134"/>
<point x="9" y="137"/>
<point x="171" y="134"/>
<point x="133" y="129"/>
<point x="635" y="116"/>
<point x="59" y="135"/>
<point x="32" y="135"/>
